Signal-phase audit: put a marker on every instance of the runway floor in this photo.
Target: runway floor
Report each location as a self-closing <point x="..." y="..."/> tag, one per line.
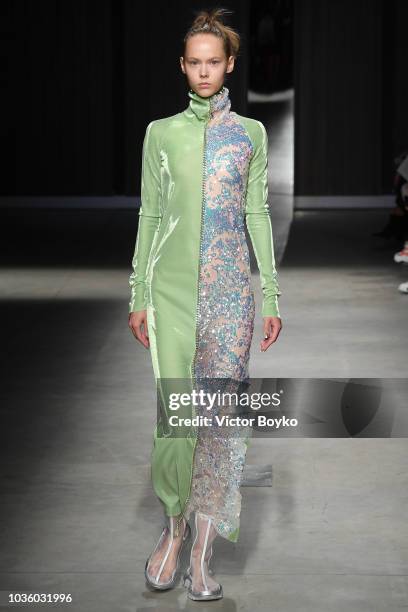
<point x="325" y="532"/>
<point x="78" y="513"/>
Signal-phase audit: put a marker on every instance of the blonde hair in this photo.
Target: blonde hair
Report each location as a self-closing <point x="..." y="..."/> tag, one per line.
<point x="211" y="22"/>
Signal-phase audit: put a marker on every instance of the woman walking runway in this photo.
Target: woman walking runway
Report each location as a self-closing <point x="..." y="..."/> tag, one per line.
<point x="204" y="175"/>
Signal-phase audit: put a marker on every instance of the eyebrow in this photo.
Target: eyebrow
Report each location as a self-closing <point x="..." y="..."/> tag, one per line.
<point x="215" y="57"/>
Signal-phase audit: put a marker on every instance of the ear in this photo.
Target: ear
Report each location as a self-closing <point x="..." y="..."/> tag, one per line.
<point x="230" y="63"/>
<point x="182" y="64"/>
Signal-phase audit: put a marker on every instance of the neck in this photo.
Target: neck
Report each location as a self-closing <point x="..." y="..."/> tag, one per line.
<point x="216" y="106"/>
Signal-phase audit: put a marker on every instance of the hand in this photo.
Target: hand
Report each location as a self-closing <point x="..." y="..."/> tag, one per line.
<point x="136" y="321"/>
<point x="271" y="330"/>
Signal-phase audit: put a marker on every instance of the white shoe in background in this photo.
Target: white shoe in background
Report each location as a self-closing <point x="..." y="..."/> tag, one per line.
<point x="402" y="256"/>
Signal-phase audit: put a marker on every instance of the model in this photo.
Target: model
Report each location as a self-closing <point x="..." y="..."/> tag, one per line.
<point x="204" y="175"/>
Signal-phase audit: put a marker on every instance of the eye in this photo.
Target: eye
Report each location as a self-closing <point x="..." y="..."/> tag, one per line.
<point x="193" y="62"/>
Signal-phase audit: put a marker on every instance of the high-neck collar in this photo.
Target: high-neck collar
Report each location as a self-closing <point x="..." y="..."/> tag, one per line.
<point x="215" y="106"/>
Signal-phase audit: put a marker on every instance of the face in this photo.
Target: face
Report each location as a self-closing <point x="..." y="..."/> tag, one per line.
<point x="205" y="63"/>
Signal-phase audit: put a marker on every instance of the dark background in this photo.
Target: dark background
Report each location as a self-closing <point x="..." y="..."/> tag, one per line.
<point x="84" y="77"/>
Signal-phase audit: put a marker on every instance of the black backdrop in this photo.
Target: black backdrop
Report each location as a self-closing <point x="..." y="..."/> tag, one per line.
<point x="84" y="77"/>
<point x="351" y="94"/>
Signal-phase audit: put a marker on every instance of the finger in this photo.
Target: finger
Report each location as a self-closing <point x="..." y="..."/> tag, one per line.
<point x="266" y="328"/>
<point x="145" y="332"/>
<point x="139" y="334"/>
<point x="133" y="330"/>
<point x="273" y="335"/>
<point x="276" y="330"/>
<point x="145" y="338"/>
<point x="266" y="335"/>
<point x="267" y="343"/>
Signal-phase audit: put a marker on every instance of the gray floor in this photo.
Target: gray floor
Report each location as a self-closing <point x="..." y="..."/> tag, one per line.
<point x="78" y="514"/>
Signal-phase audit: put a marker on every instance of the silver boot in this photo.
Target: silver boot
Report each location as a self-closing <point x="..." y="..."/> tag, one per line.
<point x="197" y="577"/>
<point x="168" y="530"/>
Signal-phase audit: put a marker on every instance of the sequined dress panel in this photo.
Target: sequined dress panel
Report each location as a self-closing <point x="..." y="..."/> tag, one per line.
<point x="225" y="316"/>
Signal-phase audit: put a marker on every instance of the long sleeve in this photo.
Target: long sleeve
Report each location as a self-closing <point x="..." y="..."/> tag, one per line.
<point x="149" y="217"/>
<point x="259" y="223"/>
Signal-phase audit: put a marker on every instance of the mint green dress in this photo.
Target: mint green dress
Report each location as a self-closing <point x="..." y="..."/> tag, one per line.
<point x="204" y="175"/>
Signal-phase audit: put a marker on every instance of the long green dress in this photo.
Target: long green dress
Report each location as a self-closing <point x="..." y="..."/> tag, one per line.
<point x="204" y="174"/>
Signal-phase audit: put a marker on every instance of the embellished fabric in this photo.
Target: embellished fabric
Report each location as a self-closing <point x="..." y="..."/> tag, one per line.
<point x="226" y="311"/>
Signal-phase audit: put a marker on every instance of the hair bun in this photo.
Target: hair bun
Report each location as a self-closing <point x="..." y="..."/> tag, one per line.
<point x="211" y="22"/>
